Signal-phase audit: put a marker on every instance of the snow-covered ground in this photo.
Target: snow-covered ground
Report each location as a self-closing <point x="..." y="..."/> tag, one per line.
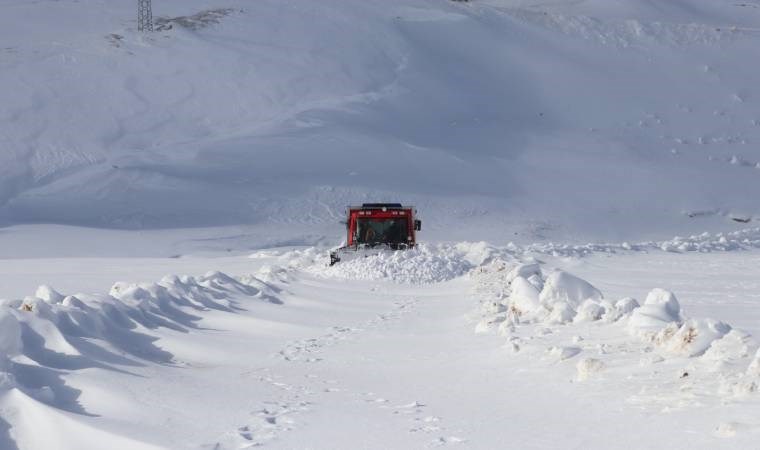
<point x="167" y="202"/>
<point x="292" y="354"/>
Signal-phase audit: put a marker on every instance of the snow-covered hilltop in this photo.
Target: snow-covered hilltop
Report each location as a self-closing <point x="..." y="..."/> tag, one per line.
<point x="575" y="120"/>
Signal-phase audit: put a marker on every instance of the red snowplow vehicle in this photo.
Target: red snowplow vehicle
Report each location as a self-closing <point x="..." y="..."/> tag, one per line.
<point x="378" y="226"/>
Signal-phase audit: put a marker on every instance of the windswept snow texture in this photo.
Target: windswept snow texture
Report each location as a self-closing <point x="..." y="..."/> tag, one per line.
<point x="523" y="120"/>
<point x="46" y="336"/>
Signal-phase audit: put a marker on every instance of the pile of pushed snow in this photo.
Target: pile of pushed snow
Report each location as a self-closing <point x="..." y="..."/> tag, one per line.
<point x="557" y="297"/>
<point x="420" y="265"/>
<point x="660" y="321"/>
<point x="426" y="263"/>
<point x="528" y="305"/>
<point x="660" y="309"/>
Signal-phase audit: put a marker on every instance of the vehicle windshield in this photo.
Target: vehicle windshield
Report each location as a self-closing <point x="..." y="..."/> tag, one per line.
<point x="377" y="231"/>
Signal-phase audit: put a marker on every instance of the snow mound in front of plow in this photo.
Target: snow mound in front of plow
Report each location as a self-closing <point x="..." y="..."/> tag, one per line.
<point x="424" y="264"/>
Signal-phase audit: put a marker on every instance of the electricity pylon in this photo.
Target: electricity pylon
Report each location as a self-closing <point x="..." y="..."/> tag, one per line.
<point x="144" y="15"/>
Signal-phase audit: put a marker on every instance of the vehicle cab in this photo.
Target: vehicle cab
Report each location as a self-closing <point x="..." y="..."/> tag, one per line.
<point x="388" y="224"/>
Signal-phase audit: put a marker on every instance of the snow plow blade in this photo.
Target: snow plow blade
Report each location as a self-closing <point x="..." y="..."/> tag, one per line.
<point x="334" y="258"/>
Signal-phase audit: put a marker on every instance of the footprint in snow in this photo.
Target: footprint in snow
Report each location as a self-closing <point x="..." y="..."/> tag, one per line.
<point x="372" y="398"/>
<point x="411" y="408"/>
<point x="419" y="423"/>
<point x="446" y="440"/>
<point x="426" y="424"/>
<point x="245" y="433"/>
<point x="731" y="429"/>
<point x="268" y="422"/>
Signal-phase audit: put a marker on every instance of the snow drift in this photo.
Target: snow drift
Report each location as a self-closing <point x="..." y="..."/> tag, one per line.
<point x="44" y="333"/>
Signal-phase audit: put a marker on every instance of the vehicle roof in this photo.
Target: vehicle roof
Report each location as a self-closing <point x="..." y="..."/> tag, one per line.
<point x="380" y="206"/>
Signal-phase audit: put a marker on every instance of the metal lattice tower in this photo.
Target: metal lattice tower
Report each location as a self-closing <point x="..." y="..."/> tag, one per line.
<point x="144" y="15"/>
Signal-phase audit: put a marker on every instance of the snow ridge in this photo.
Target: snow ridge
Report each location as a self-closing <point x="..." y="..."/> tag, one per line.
<point x="631" y="32"/>
<point x="50" y="331"/>
<point x="745" y="239"/>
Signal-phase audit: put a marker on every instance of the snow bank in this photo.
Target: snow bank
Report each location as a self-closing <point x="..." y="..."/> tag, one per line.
<point x="590" y="311"/>
<point x="547" y="313"/>
<point x="622" y="308"/>
<point x="745" y="239"/>
<point x="660" y="321"/>
<point x="660" y="309"/>
<point x="10" y="333"/>
<point x="561" y="287"/>
<point x="48" y="294"/>
<point x="37" y="426"/>
<point x="95" y="330"/>
<point x="10" y="345"/>
<point x="566" y="298"/>
<point x="525" y="297"/>
<point x="526" y="271"/>
<point x="694" y="337"/>
<point x="729" y="350"/>
<point x="557" y="298"/>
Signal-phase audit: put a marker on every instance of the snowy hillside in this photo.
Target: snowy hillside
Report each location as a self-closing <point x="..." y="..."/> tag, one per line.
<point x="577" y="120"/>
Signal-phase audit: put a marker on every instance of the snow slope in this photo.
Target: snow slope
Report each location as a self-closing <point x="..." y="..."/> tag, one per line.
<point x="524" y="120"/>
